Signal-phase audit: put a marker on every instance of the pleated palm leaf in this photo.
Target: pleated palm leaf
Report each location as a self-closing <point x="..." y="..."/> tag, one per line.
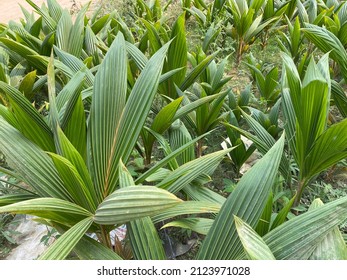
<point x="306" y="103"/>
<point x="75" y="186"/>
<point x="313" y="235"/>
<point x="231" y="235"/>
<point x="334" y="44"/>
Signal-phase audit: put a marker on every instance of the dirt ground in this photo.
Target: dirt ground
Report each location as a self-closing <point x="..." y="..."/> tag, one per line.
<point x="10" y="9"/>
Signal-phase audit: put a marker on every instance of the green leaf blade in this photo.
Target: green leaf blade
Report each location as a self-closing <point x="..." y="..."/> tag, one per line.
<point x="132" y="203"/>
<point x="54" y="209"/>
<point x="297" y="238"/>
<point x="90" y="249"/>
<point x="143" y="235"/>
<point x="333" y="246"/>
<point x="246" y="201"/>
<point x="31" y="163"/>
<point x="60" y="249"/>
<point x="109" y="99"/>
<point x="31" y="123"/>
<point x="253" y="244"/>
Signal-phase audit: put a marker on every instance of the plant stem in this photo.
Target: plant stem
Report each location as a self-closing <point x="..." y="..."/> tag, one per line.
<point x="301" y="186"/>
<point x="147" y="159"/>
<point x="239" y="52"/>
<point x="199" y="148"/>
<point x="105" y="236"/>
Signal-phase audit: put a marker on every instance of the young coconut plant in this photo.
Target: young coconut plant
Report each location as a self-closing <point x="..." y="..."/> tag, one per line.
<point x="247" y="23"/>
<point x="314" y="146"/>
<point x="301" y="237"/>
<point x="73" y="170"/>
<point x="306" y="103"/>
<point x="77" y="195"/>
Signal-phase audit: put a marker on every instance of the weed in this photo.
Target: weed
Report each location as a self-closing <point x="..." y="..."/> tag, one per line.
<point x="51" y="236"/>
<point x="7" y="234"/>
